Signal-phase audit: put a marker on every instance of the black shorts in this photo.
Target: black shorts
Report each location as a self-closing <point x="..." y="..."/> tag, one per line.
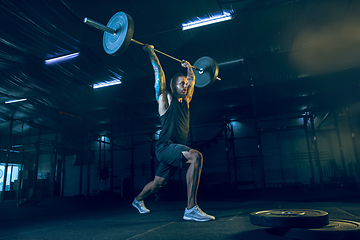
<point x="171" y="158"/>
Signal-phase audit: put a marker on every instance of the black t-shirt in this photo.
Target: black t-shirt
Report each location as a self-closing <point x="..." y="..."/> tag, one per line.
<point x="175" y="123"/>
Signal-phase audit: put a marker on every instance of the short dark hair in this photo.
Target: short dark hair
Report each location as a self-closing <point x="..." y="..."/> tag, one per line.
<point x="173" y="80"/>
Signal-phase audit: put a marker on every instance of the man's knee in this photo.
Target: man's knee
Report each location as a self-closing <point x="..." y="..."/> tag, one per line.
<point x="194" y="156"/>
<point x="198" y="156"/>
<point x="159" y="182"/>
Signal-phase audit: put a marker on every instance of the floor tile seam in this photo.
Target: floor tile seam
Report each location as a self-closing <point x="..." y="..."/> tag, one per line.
<point x="350" y="214"/>
<point x="151" y="230"/>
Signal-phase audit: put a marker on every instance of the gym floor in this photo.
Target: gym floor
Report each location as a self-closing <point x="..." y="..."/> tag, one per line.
<point x="110" y="218"/>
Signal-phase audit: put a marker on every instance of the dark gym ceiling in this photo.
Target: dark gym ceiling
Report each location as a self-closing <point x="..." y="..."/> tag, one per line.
<point x="299" y="54"/>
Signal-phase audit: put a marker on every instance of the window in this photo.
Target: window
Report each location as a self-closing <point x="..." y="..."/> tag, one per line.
<point x="12" y="176"/>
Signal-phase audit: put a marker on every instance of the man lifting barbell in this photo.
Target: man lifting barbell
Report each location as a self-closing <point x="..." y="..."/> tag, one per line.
<point x="173" y="109"/>
<point x="171" y="151"/>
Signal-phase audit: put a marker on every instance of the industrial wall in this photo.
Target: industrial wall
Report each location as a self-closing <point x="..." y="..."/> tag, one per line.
<point x="302" y="150"/>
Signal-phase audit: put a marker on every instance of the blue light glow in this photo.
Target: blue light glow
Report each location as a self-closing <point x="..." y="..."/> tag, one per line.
<point x="107" y="83"/>
<point x="15" y="100"/>
<point x="206" y="21"/>
<point x="66" y="57"/>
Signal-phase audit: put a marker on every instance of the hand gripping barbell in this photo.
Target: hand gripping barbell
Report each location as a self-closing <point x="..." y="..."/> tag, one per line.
<point x="118" y="34"/>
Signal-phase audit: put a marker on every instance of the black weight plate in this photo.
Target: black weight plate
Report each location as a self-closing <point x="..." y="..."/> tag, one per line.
<point x="290" y="218"/>
<point x="336" y="229"/>
<point x="210" y="71"/>
<point x="117" y="43"/>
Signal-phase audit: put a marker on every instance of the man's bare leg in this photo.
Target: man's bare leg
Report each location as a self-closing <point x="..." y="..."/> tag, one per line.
<point x="149" y="188"/>
<point x="192" y="211"/>
<point x="152" y="187"/>
<point x="193" y="176"/>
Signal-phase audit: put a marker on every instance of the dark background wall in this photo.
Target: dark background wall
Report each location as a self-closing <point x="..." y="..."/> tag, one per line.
<point x="290" y="158"/>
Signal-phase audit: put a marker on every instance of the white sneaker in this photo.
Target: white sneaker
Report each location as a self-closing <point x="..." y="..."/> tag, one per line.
<point x="196" y="214"/>
<point x="140" y="206"/>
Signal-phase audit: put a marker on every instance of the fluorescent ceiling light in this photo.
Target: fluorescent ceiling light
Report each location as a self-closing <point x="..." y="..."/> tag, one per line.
<point x="206" y="21"/>
<point x="13" y="151"/>
<point x="16" y="100"/>
<point x="107" y="83"/>
<point x="65" y="57"/>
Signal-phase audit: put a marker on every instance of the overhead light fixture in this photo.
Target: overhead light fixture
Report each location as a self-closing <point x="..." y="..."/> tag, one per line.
<point x="13" y="151"/>
<point x="61" y="58"/>
<point x="15" y="100"/>
<point x="107" y="83"/>
<point x="206" y="21"/>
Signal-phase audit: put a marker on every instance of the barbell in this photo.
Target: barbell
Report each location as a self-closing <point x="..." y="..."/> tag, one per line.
<point x="118" y="35"/>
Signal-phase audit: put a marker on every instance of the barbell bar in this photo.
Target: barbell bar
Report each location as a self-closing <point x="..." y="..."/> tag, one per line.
<point x="114" y="31"/>
<point x="118" y="35"/>
<point x="167" y="55"/>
